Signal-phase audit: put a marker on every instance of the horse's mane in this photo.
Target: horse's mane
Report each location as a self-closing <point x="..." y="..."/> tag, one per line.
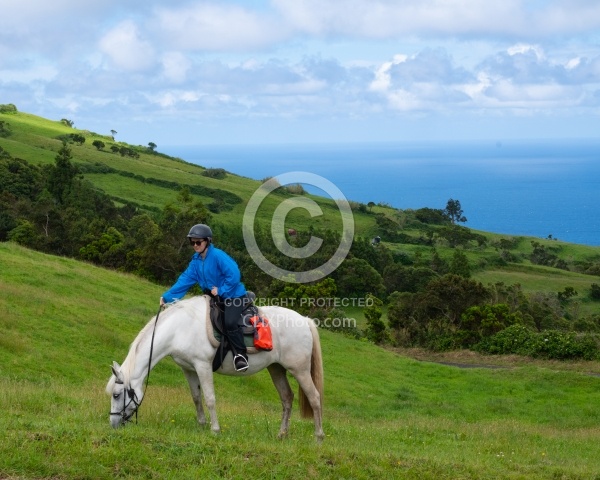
<point x="128" y="365"/>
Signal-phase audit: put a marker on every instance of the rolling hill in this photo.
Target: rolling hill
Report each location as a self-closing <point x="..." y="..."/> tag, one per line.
<point x="62" y="323"/>
<point x="150" y="180"/>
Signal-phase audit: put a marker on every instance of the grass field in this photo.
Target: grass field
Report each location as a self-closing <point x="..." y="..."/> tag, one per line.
<point x="386" y="415"/>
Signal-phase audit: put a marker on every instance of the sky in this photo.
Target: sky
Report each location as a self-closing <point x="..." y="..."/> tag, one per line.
<point x="306" y="71"/>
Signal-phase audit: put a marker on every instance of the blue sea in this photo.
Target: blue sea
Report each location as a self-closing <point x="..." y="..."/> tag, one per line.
<point x="534" y="188"/>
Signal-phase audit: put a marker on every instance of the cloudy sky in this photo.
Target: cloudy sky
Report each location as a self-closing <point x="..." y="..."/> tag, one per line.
<point x="287" y="71"/>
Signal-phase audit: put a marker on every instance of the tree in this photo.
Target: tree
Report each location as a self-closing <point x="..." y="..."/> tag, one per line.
<point x="460" y="264"/>
<point x="454" y="211"/>
<point x="400" y="278"/>
<point x="113" y="133"/>
<point x="78" y="138"/>
<point x="457" y="235"/>
<point x="98" y="144"/>
<point x="376" y="330"/>
<point x="68" y="123"/>
<point x="567" y="294"/>
<point x="431" y="317"/>
<point x="62" y="174"/>
<point x="482" y="321"/>
<point x="432" y="216"/>
<point x="4" y="129"/>
<point x="314" y="300"/>
<point x="23" y="234"/>
<point x="152" y="146"/>
<point x="176" y="219"/>
<point x="438" y="264"/>
<point x="355" y="277"/>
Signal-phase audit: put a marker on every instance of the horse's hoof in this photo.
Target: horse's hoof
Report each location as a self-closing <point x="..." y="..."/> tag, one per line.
<point x="282" y="435"/>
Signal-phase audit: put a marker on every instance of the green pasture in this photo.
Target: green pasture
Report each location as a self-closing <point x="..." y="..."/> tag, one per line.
<point x="385" y="416"/>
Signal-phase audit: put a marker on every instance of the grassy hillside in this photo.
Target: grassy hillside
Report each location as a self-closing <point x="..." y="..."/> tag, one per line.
<point x="386" y="416"/>
<point x="37" y="140"/>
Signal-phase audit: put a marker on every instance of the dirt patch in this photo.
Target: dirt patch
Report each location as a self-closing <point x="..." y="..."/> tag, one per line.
<point x="470" y="359"/>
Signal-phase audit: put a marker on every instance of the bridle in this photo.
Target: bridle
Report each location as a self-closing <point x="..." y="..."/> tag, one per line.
<point x="133" y="398"/>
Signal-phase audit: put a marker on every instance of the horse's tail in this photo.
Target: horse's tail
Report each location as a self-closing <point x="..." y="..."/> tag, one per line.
<point x="316" y="372"/>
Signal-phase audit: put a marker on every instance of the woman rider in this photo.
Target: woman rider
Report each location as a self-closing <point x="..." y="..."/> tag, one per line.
<point x="217" y="272"/>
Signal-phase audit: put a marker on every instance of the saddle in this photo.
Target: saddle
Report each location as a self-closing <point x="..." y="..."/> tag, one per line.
<point x="244" y="323"/>
<point x="255" y="329"/>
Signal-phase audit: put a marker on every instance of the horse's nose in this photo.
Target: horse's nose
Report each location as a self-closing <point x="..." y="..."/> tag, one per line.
<point x="116" y="421"/>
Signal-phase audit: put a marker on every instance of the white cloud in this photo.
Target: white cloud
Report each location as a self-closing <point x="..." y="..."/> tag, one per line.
<point x="523" y="48"/>
<point x="126" y="48"/>
<point x="172" y="98"/>
<point x="30" y="74"/>
<point x="310" y="59"/>
<point x="383" y="80"/>
<point x="175" y="66"/>
<point x="394" y="19"/>
<point x="216" y="27"/>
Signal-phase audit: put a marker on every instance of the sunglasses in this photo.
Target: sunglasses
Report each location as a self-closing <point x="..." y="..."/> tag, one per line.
<point x="197" y="242"/>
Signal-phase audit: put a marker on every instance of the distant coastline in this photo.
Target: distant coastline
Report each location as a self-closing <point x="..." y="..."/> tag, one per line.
<point x="533" y="188"/>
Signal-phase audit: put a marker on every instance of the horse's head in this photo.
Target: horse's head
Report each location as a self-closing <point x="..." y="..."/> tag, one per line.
<point x="124" y="400"/>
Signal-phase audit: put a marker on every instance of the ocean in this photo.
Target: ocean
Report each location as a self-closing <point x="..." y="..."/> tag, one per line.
<point x="534" y="188"/>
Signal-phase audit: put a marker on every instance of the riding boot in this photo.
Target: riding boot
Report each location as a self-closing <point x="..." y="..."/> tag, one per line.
<point x="240" y="356"/>
<point x="233" y="311"/>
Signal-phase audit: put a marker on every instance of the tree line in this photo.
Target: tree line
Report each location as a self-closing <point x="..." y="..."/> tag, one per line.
<point x="431" y="302"/>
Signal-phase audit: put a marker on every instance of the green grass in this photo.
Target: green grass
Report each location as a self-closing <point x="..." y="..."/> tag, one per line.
<point x="386" y="415"/>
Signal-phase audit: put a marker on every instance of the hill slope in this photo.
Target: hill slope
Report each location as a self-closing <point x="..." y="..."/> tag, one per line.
<point x="63" y="322"/>
<point x="151" y="180"/>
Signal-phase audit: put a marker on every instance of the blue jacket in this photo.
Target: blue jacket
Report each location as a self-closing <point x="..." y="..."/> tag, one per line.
<point x="217" y="269"/>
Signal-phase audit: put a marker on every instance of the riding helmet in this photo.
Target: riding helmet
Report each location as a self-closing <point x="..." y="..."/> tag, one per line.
<point x="200" y="231"/>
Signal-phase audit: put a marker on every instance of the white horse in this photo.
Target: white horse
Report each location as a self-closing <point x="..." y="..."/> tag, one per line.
<point x="184" y="332"/>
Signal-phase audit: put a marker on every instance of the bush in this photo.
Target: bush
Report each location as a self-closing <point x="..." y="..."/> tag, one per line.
<point x="218" y="173"/>
<point x="517" y="339"/>
<point x="551" y="344"/>
<point x="8" y="108"/>
<point x="563" y="345"/>
<point x="595" y="291"/>
<point x="295" y="189"/>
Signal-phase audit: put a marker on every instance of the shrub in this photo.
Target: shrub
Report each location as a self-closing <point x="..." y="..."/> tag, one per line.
<point x="295" y="189"/>
<point x="218" y="173"/>
<point x="432" y="216"/>
<point x="8" y="108"/>
<point x="5" y="130"/>
<point x="517" y="339"/>
<point x="552" y="344"/>
<point x="559" y="345"/>
<point x="595" y="291"/>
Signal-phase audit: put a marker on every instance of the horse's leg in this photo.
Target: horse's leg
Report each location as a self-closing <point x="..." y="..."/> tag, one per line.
<point x="205" y="375"/>
<point x="278" y="375"/>
<point x="314" y="399"/>
<point x="196" y="392"/>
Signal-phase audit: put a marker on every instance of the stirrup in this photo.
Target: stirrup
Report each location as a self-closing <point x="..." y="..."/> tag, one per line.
<point x="243" y="364"/>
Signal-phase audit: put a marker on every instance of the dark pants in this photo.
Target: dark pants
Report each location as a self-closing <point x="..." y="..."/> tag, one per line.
<point x="232" y="314"/>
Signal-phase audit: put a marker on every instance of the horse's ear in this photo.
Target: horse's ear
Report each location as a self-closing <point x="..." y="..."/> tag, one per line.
<point x="116" y="369"/>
